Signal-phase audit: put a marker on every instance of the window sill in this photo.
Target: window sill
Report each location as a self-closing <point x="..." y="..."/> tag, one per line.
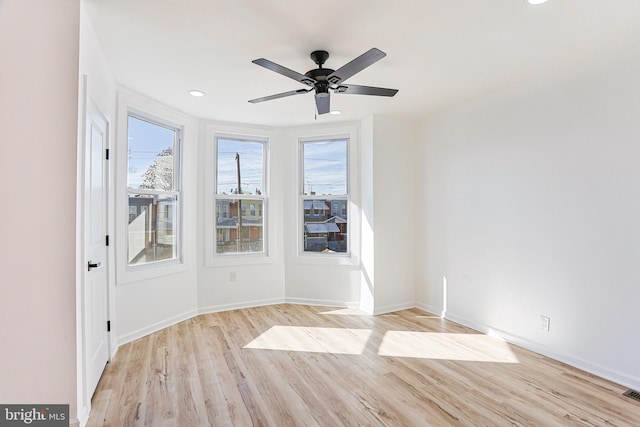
<point x="229" y="260"/>
<point x="348" y="260"/>
<point x="137" y="273"/>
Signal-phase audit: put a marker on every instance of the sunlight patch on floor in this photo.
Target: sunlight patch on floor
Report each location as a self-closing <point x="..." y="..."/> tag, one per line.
<point x="446" y="346"/>
<point x="312" y="339"/>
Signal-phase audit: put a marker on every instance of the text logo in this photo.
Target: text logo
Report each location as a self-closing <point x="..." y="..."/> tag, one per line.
<point x="34" y="415"/>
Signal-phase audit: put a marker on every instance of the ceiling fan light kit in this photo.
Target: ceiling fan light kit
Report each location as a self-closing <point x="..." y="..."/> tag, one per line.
<point x="322" y="80"/>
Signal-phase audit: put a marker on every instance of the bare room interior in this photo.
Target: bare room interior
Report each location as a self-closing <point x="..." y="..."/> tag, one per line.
<point x="321" y="213"/>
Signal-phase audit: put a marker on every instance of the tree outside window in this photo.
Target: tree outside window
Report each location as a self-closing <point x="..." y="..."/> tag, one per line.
<point x="153" y="191"/>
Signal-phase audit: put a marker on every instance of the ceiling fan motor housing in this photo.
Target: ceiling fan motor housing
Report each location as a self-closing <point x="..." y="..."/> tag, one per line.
<point x="320" y="76"/>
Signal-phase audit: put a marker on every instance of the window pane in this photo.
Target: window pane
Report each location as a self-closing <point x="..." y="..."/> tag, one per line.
<point x="325" y="168"/>
<point x="229" y="226"/>
<point x="239" y="162"/>
<point x="150" y="156"/>
<point x="325" y="225"/>
<point x="152" y="228"/>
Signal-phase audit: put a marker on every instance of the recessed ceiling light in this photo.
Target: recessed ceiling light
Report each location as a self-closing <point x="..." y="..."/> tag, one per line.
<point x="335" y="112"/>
<point x="197" y="93"/>
<point x="537" y="1"/>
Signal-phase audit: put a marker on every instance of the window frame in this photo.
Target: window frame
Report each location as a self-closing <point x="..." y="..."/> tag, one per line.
<point x="266" y="136"/>
<point x="301" y="196"/>
<point x="132" y="102"/>
<point x="245" y="198"/>
<point x="175" y="192"/>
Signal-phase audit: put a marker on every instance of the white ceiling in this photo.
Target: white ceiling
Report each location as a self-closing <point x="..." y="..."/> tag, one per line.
<point x="439" y="52"/>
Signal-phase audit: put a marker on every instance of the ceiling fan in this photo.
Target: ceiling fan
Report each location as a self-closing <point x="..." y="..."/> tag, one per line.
<point x="321" y="80"/>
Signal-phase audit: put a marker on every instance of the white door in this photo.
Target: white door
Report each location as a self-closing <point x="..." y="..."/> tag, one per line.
<point x="95" y="247"/>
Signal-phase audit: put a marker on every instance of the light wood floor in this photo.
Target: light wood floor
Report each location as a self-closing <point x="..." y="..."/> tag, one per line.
<point x="290" y="365"/>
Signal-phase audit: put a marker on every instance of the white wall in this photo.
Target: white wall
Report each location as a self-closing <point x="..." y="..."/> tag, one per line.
<point x="93" y="63"/>
<point x="38" y="118"/>
<point x="312" y="279"/>
<point x="532" y="203"/>
<point x="388" y="214"/>
<point x="153" y="297"/>
<point x="259" y="280"/>
<point x="367" y="220"/>
<point x="394" y="202"/>
<point x="284" y="275"/>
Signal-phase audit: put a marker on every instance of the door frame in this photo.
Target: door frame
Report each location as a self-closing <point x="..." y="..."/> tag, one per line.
<point x="84" y="394"/>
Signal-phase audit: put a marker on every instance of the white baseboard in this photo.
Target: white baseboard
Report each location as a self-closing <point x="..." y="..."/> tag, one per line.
<point x="238" y="306"/>
<point x="436" y="311"/>
<point x="343" y="304"/>
<point x="322" y="303"/>
<point x="114" y="348"/>
<point x="83" y="417"/>
<point x="142" y="332"/>
<point x="592" y="368"/>
<point x="392" y="308"/>
<point x="369" y="309"/>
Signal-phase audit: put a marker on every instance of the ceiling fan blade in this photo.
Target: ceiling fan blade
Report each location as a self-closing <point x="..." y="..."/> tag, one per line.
<point x="322" y="102"/>
<point x="280" y="95"/>
<point x="365" y="90"/>
<point x="355" y="66"/>
<point x="284" y="71"/>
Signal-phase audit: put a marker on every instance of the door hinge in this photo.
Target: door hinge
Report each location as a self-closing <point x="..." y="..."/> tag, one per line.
<point x="106" y="154"/>
<point x="108" y="325"/>
<point x="107" y="240"/>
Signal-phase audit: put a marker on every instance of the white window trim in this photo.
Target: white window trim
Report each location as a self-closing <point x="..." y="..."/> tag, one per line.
<point x="352" y="257"/>
<point x="267" y="136"/>
<point x="247" y="197"/>
<point x="176" y="192"/>
<point x="302" y="197"/>
<point x="130" y="103"/>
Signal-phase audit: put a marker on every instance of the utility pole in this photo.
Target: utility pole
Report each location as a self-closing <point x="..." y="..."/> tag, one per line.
<point x="239" y="204"/>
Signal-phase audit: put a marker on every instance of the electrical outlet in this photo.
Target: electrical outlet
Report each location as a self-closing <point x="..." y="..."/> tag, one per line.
<point x="544" y="323"/>
<point x="232" y="276"/>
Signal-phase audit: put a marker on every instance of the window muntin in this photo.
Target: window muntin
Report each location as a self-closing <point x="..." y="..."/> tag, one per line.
<point x="153" y="191"/>
<point x="324" y="196"/>
<point x="240" y="196"/>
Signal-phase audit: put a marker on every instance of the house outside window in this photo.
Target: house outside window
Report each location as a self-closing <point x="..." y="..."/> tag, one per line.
<point x="153" y="187"/>
<point x="240" y="196"/>
<point x="324" y="196"/>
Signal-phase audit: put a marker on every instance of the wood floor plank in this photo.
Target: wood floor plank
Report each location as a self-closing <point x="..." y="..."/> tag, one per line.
<point x="297" y="365"/>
